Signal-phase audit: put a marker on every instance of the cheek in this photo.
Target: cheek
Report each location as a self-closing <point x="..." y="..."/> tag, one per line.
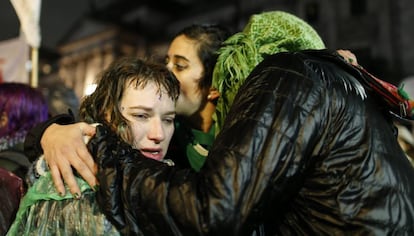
<point x="189" y="81"/>
<point x="137" y="132"/>
<point x="189" y="88"/>
<point x="169" y="131"/>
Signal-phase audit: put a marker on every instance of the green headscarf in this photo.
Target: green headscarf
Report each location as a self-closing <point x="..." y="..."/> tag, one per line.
<point x="265" y="34"/>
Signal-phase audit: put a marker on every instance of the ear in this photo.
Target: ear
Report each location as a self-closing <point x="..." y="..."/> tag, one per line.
<point x="4" y="119"/>
<point x="213" y="94"/>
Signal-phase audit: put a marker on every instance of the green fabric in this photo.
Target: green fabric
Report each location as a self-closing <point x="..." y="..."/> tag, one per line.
<point x="43" y="211"/>
<point x="189" y="140"/>
<point x="265" y="34"/>
<point x="43" y="189"/>
<point x="194" y="156"/>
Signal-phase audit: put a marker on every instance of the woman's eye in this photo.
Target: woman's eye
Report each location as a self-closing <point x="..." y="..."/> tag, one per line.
<point x="180" y="67"/>
<point x="140" y="116"/>
<point x="169" y="120"/>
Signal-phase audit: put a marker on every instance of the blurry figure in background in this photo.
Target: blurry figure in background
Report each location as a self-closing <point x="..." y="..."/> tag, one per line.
<point x="405" y="127"/>
<point x="21" y="108"/>
<point x="59" y="96"/>
<point x="406" y="139"/>
<point x="61" y="99"/>
<point x="136" y="100"/>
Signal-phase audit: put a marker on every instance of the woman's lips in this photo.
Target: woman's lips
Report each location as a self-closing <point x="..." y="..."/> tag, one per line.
<point x="155" y="154"/>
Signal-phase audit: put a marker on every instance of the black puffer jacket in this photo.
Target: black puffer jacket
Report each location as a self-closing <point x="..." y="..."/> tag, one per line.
<point x="303" y="152"/>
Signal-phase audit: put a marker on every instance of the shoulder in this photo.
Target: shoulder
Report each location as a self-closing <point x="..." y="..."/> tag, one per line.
<point x="14" y="161"/>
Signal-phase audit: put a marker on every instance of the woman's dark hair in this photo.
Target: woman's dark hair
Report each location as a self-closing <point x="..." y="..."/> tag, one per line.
<point x="208" y="38"/>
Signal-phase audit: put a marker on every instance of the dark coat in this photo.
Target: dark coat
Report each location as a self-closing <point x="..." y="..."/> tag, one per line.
<point x="302" y="152"/>
<point x="12" y="189"/>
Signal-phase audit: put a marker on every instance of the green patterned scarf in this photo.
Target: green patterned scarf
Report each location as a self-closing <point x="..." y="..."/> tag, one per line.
<point x="265" y="34"/>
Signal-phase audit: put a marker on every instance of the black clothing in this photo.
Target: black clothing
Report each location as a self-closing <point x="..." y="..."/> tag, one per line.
<point x="32" y="147"/>
<point x="307" y="149"/>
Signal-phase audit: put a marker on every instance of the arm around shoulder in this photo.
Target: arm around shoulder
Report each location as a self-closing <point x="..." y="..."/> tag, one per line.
<point x="32" y="147"/>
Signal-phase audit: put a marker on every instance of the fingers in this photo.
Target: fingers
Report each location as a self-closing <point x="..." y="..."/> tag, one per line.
<point x="66" y="172"/>
<point x="87" y="129"/>
<point x="348" y="56"/>
<point x="64" y="148"/>
<point x="85" y="166"/>
<point x="57" y="180"/>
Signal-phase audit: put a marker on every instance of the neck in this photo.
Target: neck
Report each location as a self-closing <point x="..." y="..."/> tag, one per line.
<point x="203" y="120"/>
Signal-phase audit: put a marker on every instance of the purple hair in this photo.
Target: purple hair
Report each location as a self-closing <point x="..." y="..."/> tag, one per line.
<point x="24" y="107"/>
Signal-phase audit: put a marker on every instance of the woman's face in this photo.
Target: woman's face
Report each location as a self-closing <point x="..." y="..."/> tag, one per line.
<point x="183" y="61"/>
<point x="151" y="118"/>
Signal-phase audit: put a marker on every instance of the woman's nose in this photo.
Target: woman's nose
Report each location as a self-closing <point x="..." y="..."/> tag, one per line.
<point x="156" y="131"/>
<point x="169" y="66"/>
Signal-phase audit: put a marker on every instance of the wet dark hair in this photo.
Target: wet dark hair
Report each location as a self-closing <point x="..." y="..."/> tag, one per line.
<point x="208" y="38"/>
<point x="102" y="105"/>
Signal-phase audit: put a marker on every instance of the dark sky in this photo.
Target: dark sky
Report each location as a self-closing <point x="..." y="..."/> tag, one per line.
<point x="56" y="18"/>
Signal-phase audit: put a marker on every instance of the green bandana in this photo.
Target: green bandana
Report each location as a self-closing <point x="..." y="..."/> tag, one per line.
<point x="265" y="34"/>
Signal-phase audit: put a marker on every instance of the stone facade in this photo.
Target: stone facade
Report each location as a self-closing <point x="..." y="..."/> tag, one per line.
<point x="379" y="32"/>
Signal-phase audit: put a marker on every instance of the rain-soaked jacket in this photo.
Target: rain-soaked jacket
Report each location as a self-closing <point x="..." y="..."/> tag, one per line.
<point x="308" y="148"/>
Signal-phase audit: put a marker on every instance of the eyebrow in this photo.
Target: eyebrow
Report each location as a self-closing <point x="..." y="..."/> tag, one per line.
<point x="181" y="57"/>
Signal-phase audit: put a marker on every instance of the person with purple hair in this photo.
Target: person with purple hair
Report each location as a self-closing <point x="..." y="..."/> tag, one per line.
<point x="21" y="108"/>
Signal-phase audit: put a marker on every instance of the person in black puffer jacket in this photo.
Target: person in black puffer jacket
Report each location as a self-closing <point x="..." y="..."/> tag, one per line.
<point x="307" y="147"/>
